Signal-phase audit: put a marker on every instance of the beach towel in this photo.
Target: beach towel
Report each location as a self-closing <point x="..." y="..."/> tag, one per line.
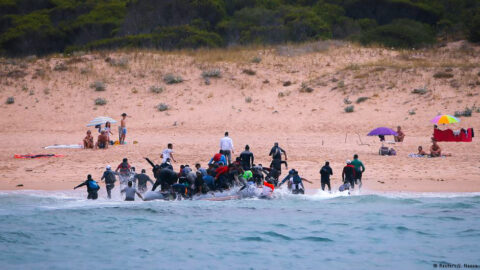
<point x="64" y="146"/>
<point x="423" y="156"/>
<point x="37" y="156"/>
<point x="448" y="135"/>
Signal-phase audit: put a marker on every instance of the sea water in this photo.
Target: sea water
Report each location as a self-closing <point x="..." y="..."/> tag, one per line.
<point x="62" y="230"/>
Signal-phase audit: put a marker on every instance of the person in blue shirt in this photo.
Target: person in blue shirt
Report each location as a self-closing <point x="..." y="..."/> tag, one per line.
<point x="92" y="187"/>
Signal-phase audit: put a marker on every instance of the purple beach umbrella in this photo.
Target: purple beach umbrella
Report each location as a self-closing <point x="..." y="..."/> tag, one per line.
<point x="382" y="131"/>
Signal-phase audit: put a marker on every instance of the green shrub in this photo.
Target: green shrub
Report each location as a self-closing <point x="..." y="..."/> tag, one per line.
<point x="172" y="79"/>
<point x="212" y="73"/>
<point x="162" y="107"/>
<point x="60" y="67"/>
<point x="256" y="59"/>
<point x="442" y="75"/>
<point x="465" y="113"/>
<point x="156" y="89"/>
<point x="248" y="100"/>
<point x="349" y="109"/>
<point x="420" y="91"/>
<point x="400" y="34"/>
<point x="10" y="100"/>
<point x="249" y="72"/>
<point x="98" y="86"/>
<point x="100" y="101"/>
<point x="361" y="99"/>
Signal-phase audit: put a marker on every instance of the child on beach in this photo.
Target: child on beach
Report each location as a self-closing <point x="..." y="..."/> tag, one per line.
<point x="123" y="126"/>
<point x="88" y="141"/>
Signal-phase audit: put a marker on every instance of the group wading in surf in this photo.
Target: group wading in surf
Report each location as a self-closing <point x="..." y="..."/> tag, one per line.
<point x="223" y="178"/>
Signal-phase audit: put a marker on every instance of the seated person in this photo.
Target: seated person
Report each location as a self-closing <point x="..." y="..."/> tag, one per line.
<point x="102" y="141"/>
<point x="421" y="152"/>
<point x="88" y="141"/>
<point x="435" y="150"/>
<point x="400" y="136"/>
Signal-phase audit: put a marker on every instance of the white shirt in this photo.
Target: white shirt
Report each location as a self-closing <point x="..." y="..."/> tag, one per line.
<point x="166" y="154"/>
<point x="226" y="143"/>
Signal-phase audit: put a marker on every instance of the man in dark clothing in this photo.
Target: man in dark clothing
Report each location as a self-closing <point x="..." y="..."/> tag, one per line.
<point x="277" y="165"/>
<point x="276" y="152"/>
<point x="348" y="174"/>
<point x="109" y="178"/>
<point x="92" y="187"/>
<point x="166" y="178"/>
<point x="142" y="180"/>
<point x="247" y="158"/>
<point x="325" y="173"/>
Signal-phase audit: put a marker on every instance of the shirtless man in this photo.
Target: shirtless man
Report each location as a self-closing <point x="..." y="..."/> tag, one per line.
<point x="435" y="150"/>
<point x="88" y="141"/>
<point x="123" y="126"/>
<point x="400" y="136"/>
<point x="102" y="141"/>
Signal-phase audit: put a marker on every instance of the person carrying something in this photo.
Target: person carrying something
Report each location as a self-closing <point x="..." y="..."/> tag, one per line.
<point x="348" y="174"/>
<point x="109" y="178"/>
<point x="226" y="147"/>
<point x="142" y="180"/>
<point x="92" y="187"/>
<point x="325" y="173"/>
<point x="295" y="182"/>
<point x="247" y="158"/>
<point x="130" y="192"/>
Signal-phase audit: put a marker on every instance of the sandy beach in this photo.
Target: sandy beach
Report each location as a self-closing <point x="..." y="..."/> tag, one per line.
<point x="295" y="96"/>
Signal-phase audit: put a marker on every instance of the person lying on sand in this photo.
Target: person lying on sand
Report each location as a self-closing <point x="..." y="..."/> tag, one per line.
<point x="88" y="141"/>
<point x="421" y="152"/>
<point x="102" y="141"/>
<point x="435" y="150"/>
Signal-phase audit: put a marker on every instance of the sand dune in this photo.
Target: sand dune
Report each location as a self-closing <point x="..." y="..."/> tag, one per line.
<point x="296" y="96"/>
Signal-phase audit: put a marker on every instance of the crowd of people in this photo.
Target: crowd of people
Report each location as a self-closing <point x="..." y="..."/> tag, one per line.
<point x="103" y="139"/>
<point x="222" y="172"/>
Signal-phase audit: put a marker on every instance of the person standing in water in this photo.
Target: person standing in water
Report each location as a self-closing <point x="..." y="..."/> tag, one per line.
<point x="123" y="128"/>
<point x="167" y="153"/>
<point x="92" y="187"/>
<point x="143" y="178"/>
<point x="359" y="169"/>
<point x="348" y="174"/>
<point x="325" y="173"/>
<point x="130" y="192"/>
<point x="109" y="178"/>
<point x="247" y="158"/>
<point x="226" y="147"/>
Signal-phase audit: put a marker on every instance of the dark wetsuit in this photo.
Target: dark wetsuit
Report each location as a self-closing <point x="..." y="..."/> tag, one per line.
<point x="277" y="165"/>
<point x="109" y="177"/>
<point x="325" y="173"/>
<point x="348" y="175"/>
<point x="92" y="193"/>
<point x="247" y="159"/>
<point x="166" y="178"/>
<point x="142" y="181"/>
<point x="276" y="152"/>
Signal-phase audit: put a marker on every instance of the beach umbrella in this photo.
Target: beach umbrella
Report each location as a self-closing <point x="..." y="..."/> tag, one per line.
<point x="101" y="120"/>
<point x="382" y="131"/>
<point x="444" y="119"/>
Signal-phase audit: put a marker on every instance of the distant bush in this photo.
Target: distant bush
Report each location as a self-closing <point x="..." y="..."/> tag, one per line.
<point x="172" y="79"/>
<point x="361" y="99"/>
<point x="248" y="99"/>
<point x="305" y="88"/>
<point x="156" y="89"/>
<point x="100" y="101"/>
<point x="442" y="75"/>
<point x="256" y="59"/>
<point x="249" y="72"/>
<point x="120" y="62"/>
<point x="10" y="100"/>
<point x="412" y="112"/>
<point x="347" y="101"/>
<point x="401" y="33"/>
<point x="60" y="67"/>
<point x="349" y="109"/>
<point x="162" y="107"/>
<point x="420" y="91"/>
<point x="98" y="86"/>
<point x="212" y="73"/>
<point x="465" y="113"/>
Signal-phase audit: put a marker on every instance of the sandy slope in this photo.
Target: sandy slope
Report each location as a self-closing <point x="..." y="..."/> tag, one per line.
<point x="311" y="127"/>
